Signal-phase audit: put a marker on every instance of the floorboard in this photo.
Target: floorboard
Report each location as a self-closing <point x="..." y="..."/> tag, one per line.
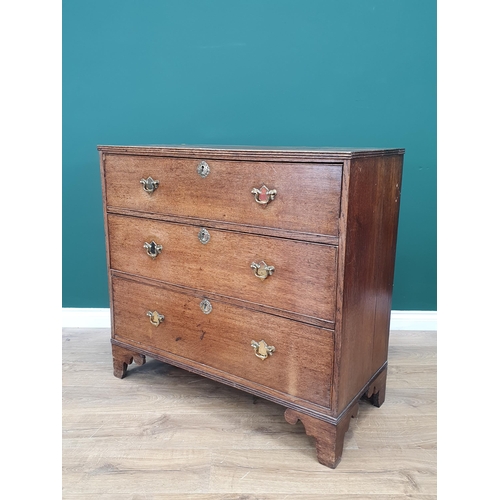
<point x="164" y="433"/>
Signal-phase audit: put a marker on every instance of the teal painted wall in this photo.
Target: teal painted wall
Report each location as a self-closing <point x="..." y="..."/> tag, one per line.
<point x="260" y="72"/>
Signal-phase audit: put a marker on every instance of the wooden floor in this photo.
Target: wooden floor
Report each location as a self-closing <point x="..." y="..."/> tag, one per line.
<point x="163" y="433"/>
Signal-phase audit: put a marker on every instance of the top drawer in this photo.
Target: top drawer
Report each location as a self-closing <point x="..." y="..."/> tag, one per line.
<point x="307" y="196"/>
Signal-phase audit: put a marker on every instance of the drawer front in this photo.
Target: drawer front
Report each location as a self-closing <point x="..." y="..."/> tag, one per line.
<point x="303" y="280"/>
<point x="307" y="198"/>
<point x="301" y="365"/>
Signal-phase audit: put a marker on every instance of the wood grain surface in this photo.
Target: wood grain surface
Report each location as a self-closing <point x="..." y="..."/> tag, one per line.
<point x="164" y="433"/>
<point x="223" y="265"/>
<point x="308" y="195"/>
<point x="300" y="367"/>
<point x="367" y="247"/>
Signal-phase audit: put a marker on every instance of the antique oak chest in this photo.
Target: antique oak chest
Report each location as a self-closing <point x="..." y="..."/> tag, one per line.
<point x="270" y="270"/>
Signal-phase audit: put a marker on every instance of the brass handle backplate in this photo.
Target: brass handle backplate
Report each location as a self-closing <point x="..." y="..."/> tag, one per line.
<point x="264" y="195"/>
<point x="155" y="317"/>
<point x="153" y="249"/>
<point x="149" y="185"/>
<point x="261" y="349"/>
<point x="262" y="270"/>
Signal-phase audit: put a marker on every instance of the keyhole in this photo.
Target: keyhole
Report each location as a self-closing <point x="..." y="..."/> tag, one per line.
<point x="203" y="169"/>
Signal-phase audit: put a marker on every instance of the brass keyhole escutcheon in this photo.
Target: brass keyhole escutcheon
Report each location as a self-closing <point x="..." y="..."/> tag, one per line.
<point x="149" y="185"/>
<point x="204" y="236"/>
<point x="206" y="306"/>
<point x="262" y="350"/>
<point x="155" y="318"/>
<point x="203" y="169"/>
<point x="153" y="249"/>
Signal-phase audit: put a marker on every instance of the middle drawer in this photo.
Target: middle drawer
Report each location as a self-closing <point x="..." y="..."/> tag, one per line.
<point x="294" y="276"/>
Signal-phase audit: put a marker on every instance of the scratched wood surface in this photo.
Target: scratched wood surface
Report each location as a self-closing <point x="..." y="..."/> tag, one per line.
<point x="163" y="433"/>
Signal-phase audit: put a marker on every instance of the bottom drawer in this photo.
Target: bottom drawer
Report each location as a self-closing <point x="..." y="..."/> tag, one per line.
<point x="300" y="366"/>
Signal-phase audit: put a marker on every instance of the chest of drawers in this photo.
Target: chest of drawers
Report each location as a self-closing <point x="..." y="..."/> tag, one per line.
<point x="270" y="270"/>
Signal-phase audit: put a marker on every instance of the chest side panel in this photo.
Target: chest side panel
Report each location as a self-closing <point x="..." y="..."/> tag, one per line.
<point x="369" y="243"/>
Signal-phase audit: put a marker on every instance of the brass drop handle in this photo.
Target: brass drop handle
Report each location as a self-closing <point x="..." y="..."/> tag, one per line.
<point x="155" y="318"/>
<point x="262" y="270"/>
<point x="264" y="195"/>
<point x="149" y="185"/>
<point x="261" y="349"/>
<point x="153" y="249"/>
